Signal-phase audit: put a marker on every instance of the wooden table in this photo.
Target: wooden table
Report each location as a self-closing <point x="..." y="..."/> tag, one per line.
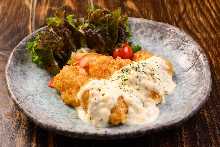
<point x="199" y="18"/>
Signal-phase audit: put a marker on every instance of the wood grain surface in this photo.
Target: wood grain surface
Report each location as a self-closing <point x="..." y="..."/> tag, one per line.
<point x="199" y="18"/>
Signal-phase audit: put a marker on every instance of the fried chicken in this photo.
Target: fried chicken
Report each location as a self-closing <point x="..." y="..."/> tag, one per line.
<point x="87" y="66"/>
<point x="83" y="67"/>
<point x="119" y="112"/>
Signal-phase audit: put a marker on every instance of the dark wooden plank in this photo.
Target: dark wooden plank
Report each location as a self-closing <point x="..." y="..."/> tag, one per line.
<point x="15" y="128"/>
<point x="12" y="122"/>
<point x="46" y="8"/>
<point x="199" y="18"/>
<point x="15" y="22"/>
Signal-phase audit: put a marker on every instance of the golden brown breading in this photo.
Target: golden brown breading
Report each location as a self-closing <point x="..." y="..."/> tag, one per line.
<point x="141" y="55"/>
<point x="155" y="96"/>
<point x="98" y="66"/>
<point x="84" y="66"/>
<point x="119" y="112"/>
<point x="85" y="100"/>
<point x="68" y="82"/>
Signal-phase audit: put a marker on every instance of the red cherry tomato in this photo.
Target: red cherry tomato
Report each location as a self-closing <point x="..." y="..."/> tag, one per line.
<point x="125" y="52"/>
<point x="117" y="53"/>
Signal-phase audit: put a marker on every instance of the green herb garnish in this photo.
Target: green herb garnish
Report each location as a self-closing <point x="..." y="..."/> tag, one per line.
<point x="136" y="48"/>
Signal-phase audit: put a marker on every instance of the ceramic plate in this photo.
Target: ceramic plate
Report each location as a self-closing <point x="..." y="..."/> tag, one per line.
<point x="27" y="84"/>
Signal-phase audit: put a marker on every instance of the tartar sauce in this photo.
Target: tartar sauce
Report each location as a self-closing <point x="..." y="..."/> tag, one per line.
<point x="134" y="83"/>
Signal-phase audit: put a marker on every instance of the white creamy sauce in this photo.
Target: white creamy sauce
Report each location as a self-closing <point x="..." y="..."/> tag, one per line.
<point x="133" y="82"/>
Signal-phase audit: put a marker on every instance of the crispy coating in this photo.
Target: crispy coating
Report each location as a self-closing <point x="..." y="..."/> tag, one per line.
<point x="141" y="55"/>
<point x="86" y="66"/>
<point x="119" y="112"/>
<point x="85" y="100"/>
<point x="68" y="82"/>
<point x="98" y="66"/>
<point x="82" y="68"/>
<point x="155" y="96"/>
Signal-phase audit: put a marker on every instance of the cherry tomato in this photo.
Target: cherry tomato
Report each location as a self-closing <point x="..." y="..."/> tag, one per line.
<point x="125" y="52"/>
<point x="117" y="52"/>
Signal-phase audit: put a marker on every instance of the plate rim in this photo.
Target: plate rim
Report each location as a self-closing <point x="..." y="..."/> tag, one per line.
<point x="98" y="136"/>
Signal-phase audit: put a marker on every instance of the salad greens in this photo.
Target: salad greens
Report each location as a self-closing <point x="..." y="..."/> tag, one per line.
<point x="101" y="30"/>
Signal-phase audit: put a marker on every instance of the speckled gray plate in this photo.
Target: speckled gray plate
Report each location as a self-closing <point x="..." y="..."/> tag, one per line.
<point x="28" y="84"/>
